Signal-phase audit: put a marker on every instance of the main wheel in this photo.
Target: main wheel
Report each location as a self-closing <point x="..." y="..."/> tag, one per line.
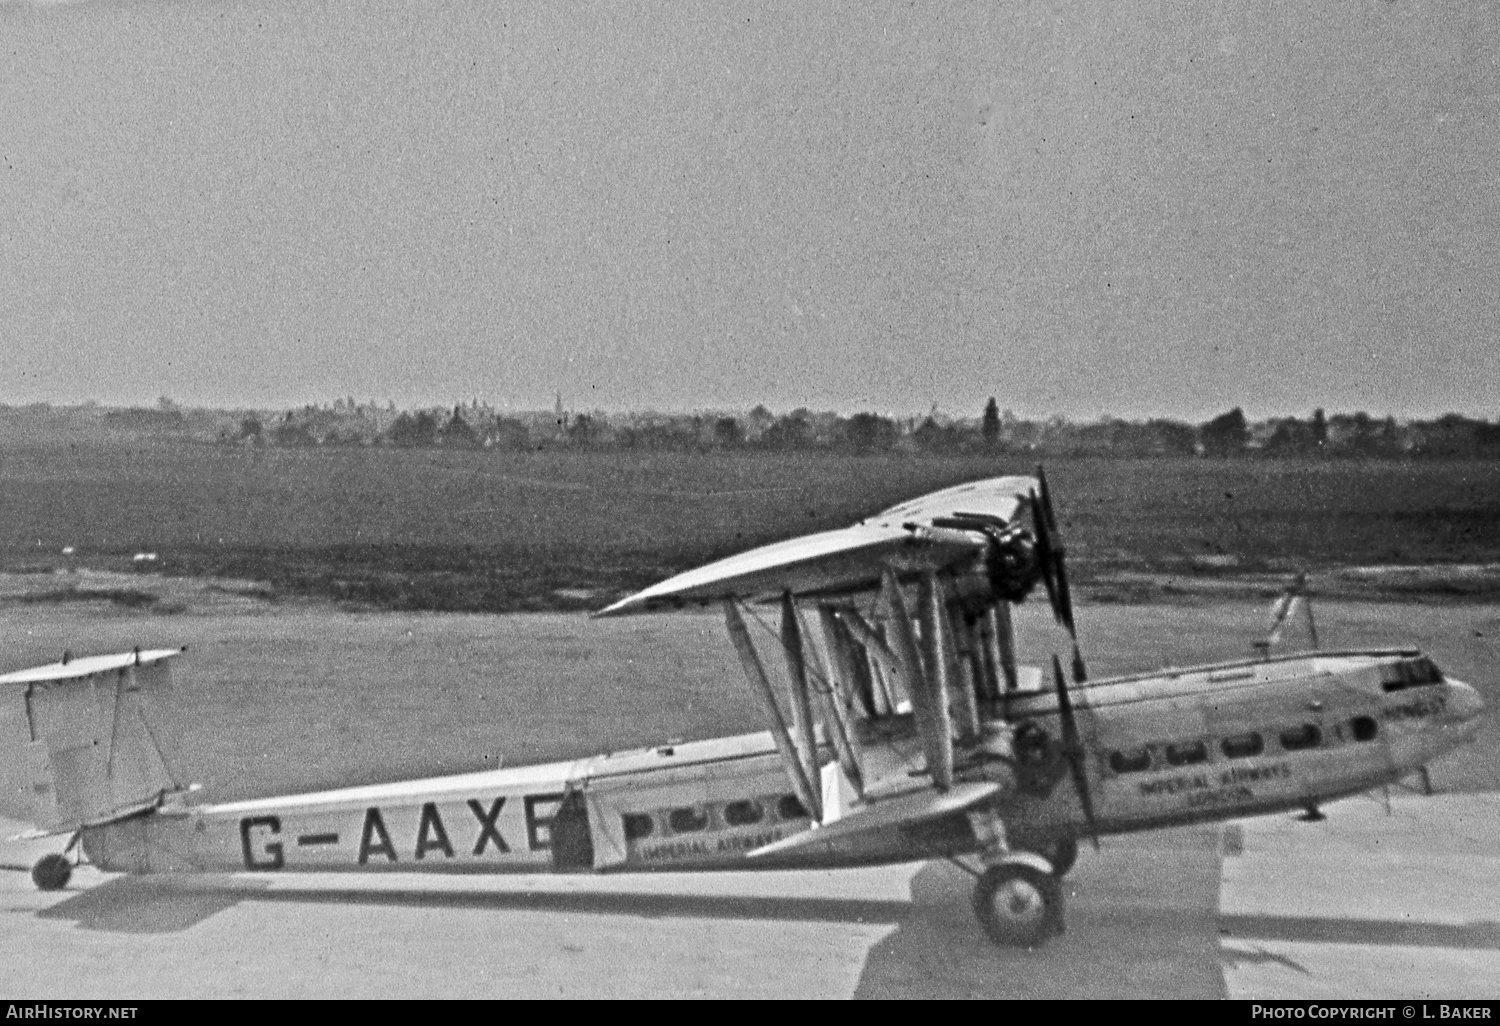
<point x="1019" y="906"/>
<point x="51" y="873"/>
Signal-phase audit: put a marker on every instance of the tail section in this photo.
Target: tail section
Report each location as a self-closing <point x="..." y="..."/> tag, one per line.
<point x="86" y="741"/>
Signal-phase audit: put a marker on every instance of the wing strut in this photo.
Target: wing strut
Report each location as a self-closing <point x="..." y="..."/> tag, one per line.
<point x="835" y="697"/>
<point x="928" y="703"/>
<point x="878" y="651"/>
<point x="971" y="658"/>
<point x="804" y="732"/>
<point x="756" y="674"/>
<point x="962" y="692"/>
<point x="863" y="673"/>
<point x="1002" y="636"/>
<point x="841" y="657"/>
<point x="937" y="680"/>
<point x="881" y="686"/>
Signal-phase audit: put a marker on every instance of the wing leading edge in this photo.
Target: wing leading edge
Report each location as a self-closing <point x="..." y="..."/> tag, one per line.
<point x="908" y="538"/>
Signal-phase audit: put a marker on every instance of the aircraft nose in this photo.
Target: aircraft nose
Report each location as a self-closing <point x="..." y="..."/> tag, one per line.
<point x="1463" y="701"/>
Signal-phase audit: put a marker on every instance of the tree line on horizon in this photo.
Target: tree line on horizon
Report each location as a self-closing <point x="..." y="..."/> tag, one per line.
<point x="478" y="426"/>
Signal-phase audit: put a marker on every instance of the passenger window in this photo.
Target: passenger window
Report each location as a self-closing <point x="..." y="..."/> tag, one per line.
<point x="1130" y="762"/>
<point x="1243" y="746"/>
<point x="1186" y="755"/>
<point x="1364" y="728"/>
<point x="743" y="813"/>
<point x="790" y="808"/>
<point x="1305" y="736"/>
<point x="686" y="821"/>
<point x="637" y="826"/>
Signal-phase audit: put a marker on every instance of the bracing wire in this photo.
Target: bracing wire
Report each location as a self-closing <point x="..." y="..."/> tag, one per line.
<point x="824" y="685"/>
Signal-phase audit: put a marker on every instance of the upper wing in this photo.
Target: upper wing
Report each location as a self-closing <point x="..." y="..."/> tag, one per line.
<point x="909" y="537"/>
<point x="998" y="497"/>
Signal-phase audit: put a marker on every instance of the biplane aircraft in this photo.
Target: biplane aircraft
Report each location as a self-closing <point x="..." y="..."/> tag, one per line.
<point x="900" y="727"/>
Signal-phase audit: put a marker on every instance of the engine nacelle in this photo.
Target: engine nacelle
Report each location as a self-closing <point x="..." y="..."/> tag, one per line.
<point x="1006" y="571"/>
<point x="1012" y="564"/>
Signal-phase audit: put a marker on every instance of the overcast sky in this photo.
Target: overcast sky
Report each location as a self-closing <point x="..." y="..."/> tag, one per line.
<point x="1080" y="208"/>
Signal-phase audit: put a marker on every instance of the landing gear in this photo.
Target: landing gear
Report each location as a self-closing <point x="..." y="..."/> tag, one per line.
<point x="1018" y="904"/>
<point x="1061" y="853"/>
<point x="51" y="873"/>
<point x="1062" y="856"/>
<point x="1018" y="898"/>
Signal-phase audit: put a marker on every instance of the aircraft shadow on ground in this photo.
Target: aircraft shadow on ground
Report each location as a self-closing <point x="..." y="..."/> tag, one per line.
<point x="1143" y="922"/>
<point x="148" y="904"/>
<point x="1482" y="934"/>
<point x="169" y="905"/>
<point x="1133" y="931"/>
<point x="647" y="906"/>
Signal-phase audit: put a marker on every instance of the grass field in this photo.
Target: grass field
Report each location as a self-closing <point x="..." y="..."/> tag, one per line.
<point x="485" y="531"/>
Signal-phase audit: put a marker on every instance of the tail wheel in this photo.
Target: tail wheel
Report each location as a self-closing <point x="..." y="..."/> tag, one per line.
<point x="1019" y="906"/>
<point x="51" y="873"/>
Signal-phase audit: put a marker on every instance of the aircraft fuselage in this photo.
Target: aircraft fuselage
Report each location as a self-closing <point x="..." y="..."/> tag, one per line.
<point x="1207" y="743"/>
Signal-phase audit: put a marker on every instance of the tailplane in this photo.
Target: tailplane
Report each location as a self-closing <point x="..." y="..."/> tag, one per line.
<point x="87" y="741"/>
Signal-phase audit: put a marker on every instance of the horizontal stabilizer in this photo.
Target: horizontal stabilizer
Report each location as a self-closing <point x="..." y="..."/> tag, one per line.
<point x="63" y="828"/>
<point x="907" y="539"/>
<point x="891" y="813"/>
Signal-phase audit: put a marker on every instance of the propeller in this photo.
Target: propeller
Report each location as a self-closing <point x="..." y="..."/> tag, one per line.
<point x="1051" y="556"/>
<point x="1072" y="745"/>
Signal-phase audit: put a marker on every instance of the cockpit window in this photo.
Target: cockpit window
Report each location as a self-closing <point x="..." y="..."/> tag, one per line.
<point x="1410" y="673"/>
<point x="1130" y="762"/>
<point x="1298" y="738"/>
<point x="1364" y="728"/>
<point x="1243" y="746"/>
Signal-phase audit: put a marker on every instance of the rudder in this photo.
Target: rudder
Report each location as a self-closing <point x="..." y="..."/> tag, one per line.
<point x="84" y="741"/>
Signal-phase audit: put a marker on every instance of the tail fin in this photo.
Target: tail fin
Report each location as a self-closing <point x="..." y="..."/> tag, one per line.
<point x="82" y="741"/>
